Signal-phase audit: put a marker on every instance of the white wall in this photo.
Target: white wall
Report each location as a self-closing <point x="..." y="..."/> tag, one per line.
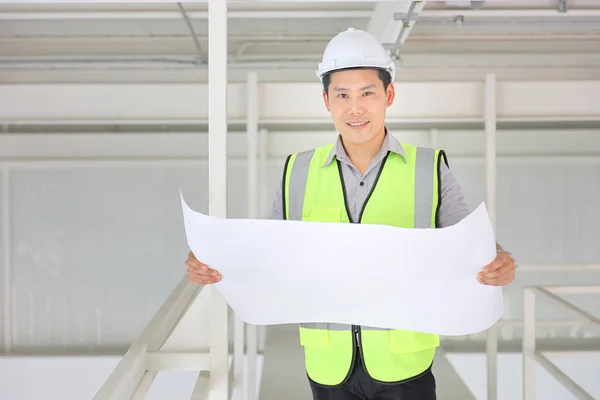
<point x="96" y="237"/>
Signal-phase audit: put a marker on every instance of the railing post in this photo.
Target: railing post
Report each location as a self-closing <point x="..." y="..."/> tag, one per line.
<point x="252" y="114"/>
<point x="6" y="262"/>
<point x="490" y="181"/>
<point x="529" y="362"/>
<point x="7" y="289"/>
<point x="217" y="178"/>
<point x="238" y="358"/>
<point x="265" y="193"/>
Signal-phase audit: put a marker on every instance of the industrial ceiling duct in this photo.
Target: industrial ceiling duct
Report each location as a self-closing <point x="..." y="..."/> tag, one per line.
<point x="465" y="4"/>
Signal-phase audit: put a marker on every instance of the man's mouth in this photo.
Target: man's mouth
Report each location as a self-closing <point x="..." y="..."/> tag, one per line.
<point x="357" y="124"/>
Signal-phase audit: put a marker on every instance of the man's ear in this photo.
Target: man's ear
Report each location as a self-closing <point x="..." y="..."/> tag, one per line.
<point x="390" y="94"/>
<point x="326" y="100"/>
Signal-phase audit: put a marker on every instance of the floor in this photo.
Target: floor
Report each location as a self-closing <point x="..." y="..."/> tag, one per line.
<point x="283" y="349"/>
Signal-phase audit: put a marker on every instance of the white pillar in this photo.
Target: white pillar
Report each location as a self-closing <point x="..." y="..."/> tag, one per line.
<point x="434" y="138"/>
<point x="7" y="279"/>
<point x="263" y="195"/>
<point x="252" y="143"/>
<point x="238" y="358"/>
<point x="217" y="181"/>
<point x="490" y="181"/>
<point x="529" y="363"/>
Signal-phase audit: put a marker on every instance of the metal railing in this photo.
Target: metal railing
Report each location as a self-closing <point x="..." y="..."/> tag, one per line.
<point x="135" y="373"/>
<point x="531" y="356"/>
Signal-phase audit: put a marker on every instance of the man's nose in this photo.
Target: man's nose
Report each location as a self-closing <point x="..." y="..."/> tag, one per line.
<point x="356" y="107"/>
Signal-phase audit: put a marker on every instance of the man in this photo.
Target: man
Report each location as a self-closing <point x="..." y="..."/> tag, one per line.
<point x="367" y="176"/>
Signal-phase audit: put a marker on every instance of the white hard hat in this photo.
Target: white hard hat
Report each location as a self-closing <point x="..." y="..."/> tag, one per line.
<point x="355" y="48"/>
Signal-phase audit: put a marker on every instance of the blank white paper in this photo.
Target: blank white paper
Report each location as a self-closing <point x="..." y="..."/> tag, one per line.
<point x="425" y="280"/>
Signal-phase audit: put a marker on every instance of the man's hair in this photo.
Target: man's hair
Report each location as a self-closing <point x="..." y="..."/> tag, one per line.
<point x="384" y="76"/>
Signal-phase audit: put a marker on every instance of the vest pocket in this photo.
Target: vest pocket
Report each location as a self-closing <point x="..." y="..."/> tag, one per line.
<point x="310" y="337"/>
<point x="404" y="342"/>
<point x="323" y="214"/>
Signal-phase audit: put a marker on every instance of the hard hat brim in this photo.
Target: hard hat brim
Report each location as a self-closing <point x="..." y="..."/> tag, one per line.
<point x="390" y="69"/>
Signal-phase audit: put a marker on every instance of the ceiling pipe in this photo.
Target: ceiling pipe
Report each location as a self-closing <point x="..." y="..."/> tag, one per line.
<point x="408" y="24"/>
<point x="514" y="13"/>
<point x="188" y="21"/>
<point x="284" y="62"/>
<point x="562" y="6"/>
<point x="132" y="15"/>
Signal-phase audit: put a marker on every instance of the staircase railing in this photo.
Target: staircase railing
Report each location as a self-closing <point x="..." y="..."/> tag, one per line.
<point x="531" y="356"/>
<point x="135" y="373"/>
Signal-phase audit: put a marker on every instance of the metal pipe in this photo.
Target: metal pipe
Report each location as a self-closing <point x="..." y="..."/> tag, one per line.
<point x="259" y="38"/>
<point x="252" y="118"/>
<point x="132" y="15"/>
<point x="7" y="278"/>
<point x="263" y="195"/>
<point x="513" y="13"/>
<point x="414" y="61"/>
<point x="490" y="180"/>
<point x="217" y="185"/>
<point x="263" y="157"/>
<point x="498" y="37"/>
<point x="529" y="323"/>
<point x="238" y="354"/>
<point x="190" y="26"/>
<point x="407" y="25"/>
<point x="296" y="14"/>
<point x="577" y="391"/>
<point x="573" y="289"/>
<point x="239" y="54"/>
<point x="569" y="306"/>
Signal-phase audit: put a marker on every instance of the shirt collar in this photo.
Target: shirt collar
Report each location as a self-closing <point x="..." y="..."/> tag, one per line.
<point x="390" y="143"/>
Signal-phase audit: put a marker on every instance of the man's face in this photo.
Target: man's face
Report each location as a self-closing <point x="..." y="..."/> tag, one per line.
<point x="357" y="103"/>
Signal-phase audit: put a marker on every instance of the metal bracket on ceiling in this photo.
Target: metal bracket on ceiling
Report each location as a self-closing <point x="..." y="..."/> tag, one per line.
<point x="408" y="22"/>
<point x="562" y="6"/>
<point x="405" y="17"/>
<point x="201" y="57"/>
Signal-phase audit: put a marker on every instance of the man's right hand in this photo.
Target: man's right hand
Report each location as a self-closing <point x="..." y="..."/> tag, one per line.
<point x="200" y="273"/>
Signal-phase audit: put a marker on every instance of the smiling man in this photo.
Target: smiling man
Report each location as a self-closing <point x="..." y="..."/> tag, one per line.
<point x="369" y="177"/>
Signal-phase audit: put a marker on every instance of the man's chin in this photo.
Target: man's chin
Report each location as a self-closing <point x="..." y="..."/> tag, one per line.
<point x="355" y="141"/>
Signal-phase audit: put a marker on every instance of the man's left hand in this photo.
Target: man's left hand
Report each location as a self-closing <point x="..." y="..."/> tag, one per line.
<point x="499" y="272"/>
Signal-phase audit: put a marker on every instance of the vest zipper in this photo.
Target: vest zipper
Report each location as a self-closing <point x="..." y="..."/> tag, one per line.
<point x="356" y="328"/>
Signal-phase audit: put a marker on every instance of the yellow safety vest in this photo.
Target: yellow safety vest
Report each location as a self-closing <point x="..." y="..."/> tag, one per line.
<point x="405" y="194"/>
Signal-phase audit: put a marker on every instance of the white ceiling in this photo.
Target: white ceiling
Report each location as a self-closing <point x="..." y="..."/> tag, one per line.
<point x="284" y="40"/>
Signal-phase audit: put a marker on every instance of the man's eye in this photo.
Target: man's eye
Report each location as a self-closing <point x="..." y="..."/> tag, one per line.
<point x="367" y="93"/>
<point x="342" y="95"/>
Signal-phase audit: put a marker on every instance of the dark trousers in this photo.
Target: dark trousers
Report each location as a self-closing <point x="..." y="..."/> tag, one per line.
<point x="361" y="386"/>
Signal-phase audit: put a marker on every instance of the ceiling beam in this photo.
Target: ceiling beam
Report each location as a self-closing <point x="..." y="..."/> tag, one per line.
<point x="509" y="13"/>
<point x="201" y="56"/>
<point x="391" y="29"/>
<point x="259" y="14"/>
<point x="382" y="23"/>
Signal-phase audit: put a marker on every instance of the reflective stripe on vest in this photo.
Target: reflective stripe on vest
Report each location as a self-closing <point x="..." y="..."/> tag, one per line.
<point x="424" y="175"/>
<point x="389" y="355"/>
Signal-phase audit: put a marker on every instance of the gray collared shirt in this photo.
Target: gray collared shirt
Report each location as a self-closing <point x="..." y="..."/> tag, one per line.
<point x="453" y="207"/>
